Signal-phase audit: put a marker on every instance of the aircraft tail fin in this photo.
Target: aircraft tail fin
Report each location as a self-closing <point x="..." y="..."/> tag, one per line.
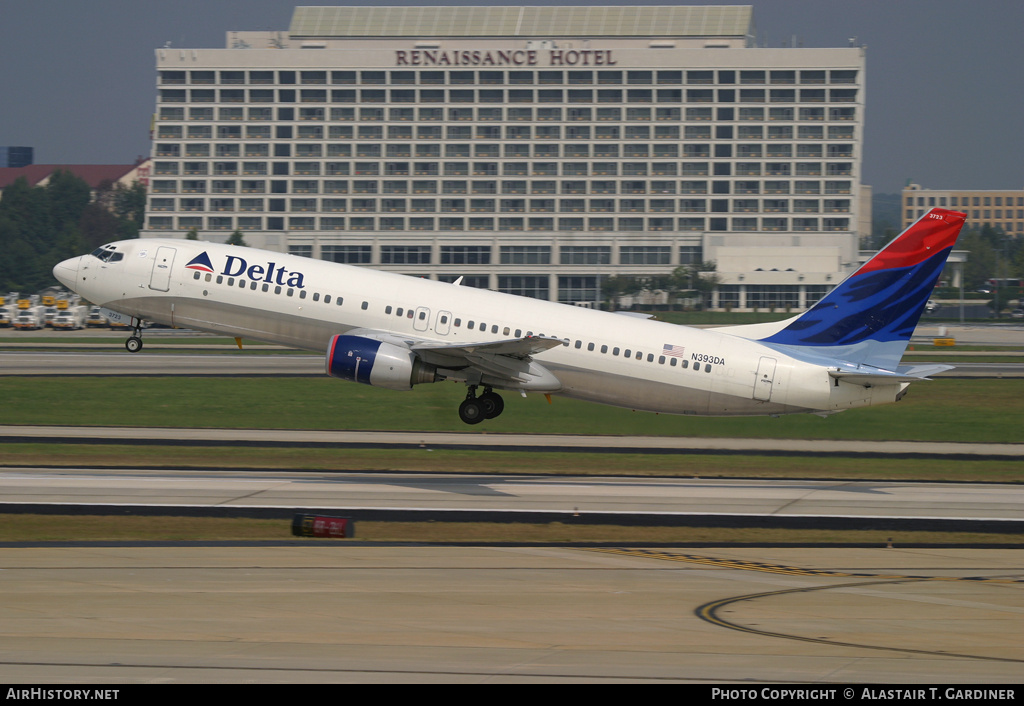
<point x="868" y="319"/>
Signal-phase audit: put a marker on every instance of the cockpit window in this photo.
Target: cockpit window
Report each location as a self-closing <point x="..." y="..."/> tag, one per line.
<point x="108" y="254"/>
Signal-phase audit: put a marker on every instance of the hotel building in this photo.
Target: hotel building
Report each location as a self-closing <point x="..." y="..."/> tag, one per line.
<point x="532" y="150"/>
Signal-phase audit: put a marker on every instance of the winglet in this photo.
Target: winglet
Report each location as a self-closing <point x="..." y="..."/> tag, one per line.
<point x="871" y="315"/>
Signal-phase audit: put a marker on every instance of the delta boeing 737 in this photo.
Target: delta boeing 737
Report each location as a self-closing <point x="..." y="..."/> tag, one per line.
<point x="397" y="331"/>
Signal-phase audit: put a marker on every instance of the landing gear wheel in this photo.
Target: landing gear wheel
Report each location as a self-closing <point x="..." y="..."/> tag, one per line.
<point x="133" y="344"/>
<point x="471" y="411"/>
<point x="492" y="404"/>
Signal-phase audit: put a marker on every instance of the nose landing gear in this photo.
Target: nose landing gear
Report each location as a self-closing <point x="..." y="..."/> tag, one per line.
<point x="134" y="342"/>
<point x="474" y="410"/>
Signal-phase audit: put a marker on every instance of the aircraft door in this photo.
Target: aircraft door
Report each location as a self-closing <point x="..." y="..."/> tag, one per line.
<point x="444" y="323"/>
<point x="421" y="320"/>
<point x="160" y="279"/>
<point x="764" y="380"/>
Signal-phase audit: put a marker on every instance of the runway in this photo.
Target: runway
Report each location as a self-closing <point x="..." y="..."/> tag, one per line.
<point x="355" y="614"/>
<point x="498" y="441"/>
<point x="503" y="498"/>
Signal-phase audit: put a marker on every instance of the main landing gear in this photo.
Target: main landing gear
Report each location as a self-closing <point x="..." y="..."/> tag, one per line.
<point x="474" y="410"/>
<point x="134" y="342"/>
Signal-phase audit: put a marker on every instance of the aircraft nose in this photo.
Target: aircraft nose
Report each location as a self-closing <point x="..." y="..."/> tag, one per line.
<point x="66" y="272"/>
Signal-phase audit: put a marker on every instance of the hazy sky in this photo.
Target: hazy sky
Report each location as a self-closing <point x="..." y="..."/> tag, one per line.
<point x="945" y="78"/>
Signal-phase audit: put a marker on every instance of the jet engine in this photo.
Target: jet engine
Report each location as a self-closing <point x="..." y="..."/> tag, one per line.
<point x="377" y="363"/>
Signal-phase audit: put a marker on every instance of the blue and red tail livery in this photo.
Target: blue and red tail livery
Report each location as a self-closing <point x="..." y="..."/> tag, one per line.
<point x="869" y="318"/>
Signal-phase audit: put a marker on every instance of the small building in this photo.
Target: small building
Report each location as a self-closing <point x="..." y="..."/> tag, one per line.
<point x="16" y="156"/>
<point x="92" y="174"/>
<point x="999" y="208"/>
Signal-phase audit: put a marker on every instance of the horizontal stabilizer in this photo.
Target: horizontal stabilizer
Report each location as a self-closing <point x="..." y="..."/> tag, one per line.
<point x="877" y="376"/>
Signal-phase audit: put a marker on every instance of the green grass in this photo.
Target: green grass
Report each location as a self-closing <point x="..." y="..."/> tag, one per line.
<point x="940" y="410"/>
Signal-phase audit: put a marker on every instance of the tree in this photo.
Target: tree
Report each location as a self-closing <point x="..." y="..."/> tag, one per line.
<point x="129" y="205"/>
<point x="98" y="226"/>
<point x="614" y="287"/>
<point x="981" y="258"/>
<point x="700" y="278"/>
<point x="41" y="225"/>
<point x="236" y="239"/>
<point x="68" y="195"/>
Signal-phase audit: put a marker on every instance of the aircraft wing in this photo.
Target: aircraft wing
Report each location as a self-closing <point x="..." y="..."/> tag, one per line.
<point x="505" y="364"/>
<point x="513" y="347"/>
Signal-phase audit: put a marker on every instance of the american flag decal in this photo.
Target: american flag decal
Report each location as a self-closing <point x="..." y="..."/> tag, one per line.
<point x="674" y="351"/>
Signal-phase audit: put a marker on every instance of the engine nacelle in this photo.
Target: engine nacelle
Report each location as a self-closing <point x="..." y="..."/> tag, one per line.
<point x="377" y="363"/>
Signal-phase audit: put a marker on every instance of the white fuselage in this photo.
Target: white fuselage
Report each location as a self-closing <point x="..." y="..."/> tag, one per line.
<point x="608" y="358"/>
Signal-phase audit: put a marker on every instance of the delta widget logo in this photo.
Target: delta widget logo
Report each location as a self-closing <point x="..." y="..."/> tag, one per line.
<point x="200" y="262"/>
